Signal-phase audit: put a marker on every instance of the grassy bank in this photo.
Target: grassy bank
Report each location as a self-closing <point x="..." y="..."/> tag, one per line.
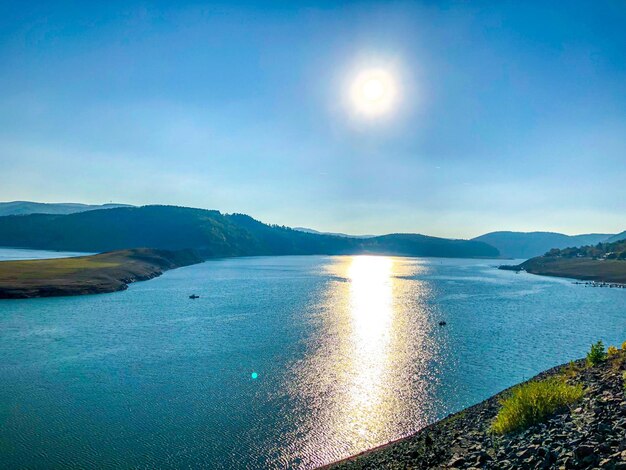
<point x="105" y="272"/>
<point x="601" y="270"/>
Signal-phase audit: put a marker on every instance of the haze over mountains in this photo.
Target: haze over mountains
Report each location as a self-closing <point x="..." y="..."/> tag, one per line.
<point x="210" y="233"/>
<point x="618" y="237"/>
<point x="28" y="207"/>
<point x="531" y="244"/>
<point x="121" y="226"/>
<point x="521" y="244"/>
<point x="336" y="234"/>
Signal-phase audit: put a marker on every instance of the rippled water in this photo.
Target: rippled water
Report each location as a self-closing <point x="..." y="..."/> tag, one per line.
<point x="348" y="352"/>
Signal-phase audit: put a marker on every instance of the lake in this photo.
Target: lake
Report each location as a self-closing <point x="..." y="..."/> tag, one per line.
<point x="8" y="254"/>
<point x="347" y="352"/>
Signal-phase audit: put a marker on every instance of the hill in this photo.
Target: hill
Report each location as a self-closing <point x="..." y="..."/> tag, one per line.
<point x="337" y="234"/>
<point x="27" y="207"/>
<point x="530" y="244"/>
<point x="210" y="233"/>
<point x="601" y="251"/>
<point x="618" y="237"/>
<point x="94" y="274"/>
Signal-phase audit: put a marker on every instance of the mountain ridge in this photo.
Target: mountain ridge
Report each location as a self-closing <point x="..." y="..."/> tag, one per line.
<point x="30" y="207"/>
<point x="336" y="234"/>
<point x="618" y="237"/>
<point x="531" y="244"/>
<point x="210" y="233"/>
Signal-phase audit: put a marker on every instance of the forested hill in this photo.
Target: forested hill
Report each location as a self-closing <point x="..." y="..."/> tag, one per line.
<point x="210" y="233"/>
<point x="614" y="250"/>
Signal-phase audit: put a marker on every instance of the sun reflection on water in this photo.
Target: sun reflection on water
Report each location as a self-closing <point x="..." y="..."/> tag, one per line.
<point x="371" y="315"/>
<point x="367" y="375"/>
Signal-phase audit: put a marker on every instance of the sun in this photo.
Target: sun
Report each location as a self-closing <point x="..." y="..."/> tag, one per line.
<point x="373" y="92"/>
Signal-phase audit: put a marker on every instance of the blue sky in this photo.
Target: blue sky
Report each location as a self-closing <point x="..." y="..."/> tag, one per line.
<point x="509" y="115"/>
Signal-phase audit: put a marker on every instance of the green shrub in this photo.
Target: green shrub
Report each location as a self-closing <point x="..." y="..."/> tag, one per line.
<point x="533" y="402"/>
<point x="596" y="354"/>
<point x="570" y="371"/>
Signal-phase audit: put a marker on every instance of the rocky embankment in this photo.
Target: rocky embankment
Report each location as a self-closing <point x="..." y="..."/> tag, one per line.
<point x="589" y="434"/>
<point x="94" y="274"/>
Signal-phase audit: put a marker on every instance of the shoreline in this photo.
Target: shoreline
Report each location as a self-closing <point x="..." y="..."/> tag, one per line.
<point x="580" y="269"/>
<point x="91" y="274"/>
<point x="106" y="272"/>
<point x="587" y="434"/>
<point x="433" y="427"/>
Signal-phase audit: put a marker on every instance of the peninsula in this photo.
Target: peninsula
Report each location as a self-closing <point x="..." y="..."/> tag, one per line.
<point x="604" y="262"/>
<point x="94" y="274"/>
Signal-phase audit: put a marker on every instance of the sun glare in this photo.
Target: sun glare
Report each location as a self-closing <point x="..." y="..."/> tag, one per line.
<point x="373" y="92"/>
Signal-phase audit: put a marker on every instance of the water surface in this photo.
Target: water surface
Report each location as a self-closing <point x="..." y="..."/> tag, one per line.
<point x="11" y="254"/>
<point x="347" y="350"/>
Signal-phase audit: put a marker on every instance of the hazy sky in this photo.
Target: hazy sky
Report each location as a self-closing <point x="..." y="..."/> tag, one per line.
<point x="508" y="115"/>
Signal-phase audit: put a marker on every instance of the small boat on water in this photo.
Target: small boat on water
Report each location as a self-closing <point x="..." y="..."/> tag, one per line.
<point x="442" y="323"/>
<point x="194" y="296"/>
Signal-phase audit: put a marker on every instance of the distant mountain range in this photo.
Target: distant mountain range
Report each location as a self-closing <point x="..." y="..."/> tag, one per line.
<point x="27" y="207"/>
<point x="528" y="245"/>
<point x="124" y="226"/>
<point x="520" y="244"/>
<point x="336" y="234"/>
<point x="618" y="237"/>
<point x="210" y="233"/>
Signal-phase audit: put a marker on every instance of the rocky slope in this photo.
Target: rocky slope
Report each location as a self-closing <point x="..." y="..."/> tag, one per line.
<point x="589" y="434"/>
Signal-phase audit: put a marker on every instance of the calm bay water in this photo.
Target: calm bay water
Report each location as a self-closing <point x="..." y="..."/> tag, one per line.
<point x="8" y="254"/>
<point x="348" y="352"/>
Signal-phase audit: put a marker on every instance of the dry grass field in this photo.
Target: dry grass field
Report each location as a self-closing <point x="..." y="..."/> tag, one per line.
<point x="105" y="272"/>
